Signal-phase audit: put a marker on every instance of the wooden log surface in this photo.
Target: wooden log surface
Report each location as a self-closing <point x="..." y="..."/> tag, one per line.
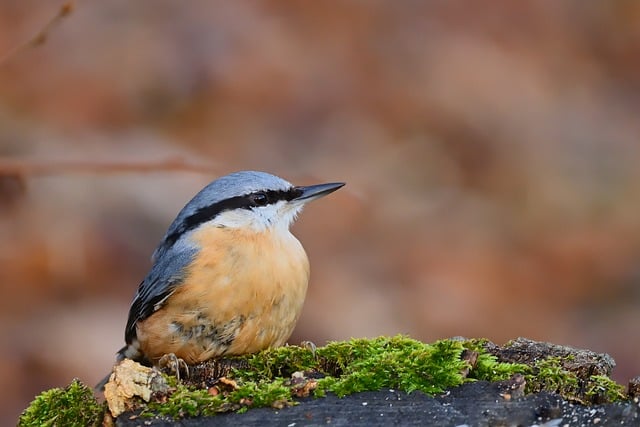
<point x="473" y="404"/>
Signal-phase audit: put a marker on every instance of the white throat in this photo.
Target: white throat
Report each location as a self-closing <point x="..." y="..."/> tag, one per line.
<point x="279" y="215"/>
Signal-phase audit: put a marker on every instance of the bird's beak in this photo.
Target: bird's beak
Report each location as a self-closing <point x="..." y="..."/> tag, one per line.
<point x="313" y="192"/>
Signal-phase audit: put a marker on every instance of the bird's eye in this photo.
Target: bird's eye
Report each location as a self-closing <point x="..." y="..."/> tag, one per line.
<point x="260" y="199"/>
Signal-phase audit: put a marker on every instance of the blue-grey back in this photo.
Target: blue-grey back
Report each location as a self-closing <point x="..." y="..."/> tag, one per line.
<point x="176" y="251"/>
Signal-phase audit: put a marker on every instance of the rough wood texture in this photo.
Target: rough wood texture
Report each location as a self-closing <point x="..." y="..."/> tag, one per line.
<point x="582" y="362"/>
<point x="474" y="404"/>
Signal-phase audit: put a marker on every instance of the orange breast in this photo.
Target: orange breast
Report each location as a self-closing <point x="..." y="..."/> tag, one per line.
<point x="243" y="293"/>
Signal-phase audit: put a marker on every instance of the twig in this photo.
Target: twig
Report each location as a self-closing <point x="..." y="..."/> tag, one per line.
<point x="41" y="36"/>
<point x="24" y="168"/>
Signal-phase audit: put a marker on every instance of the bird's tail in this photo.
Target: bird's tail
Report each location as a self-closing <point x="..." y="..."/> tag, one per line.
<point x="129" y="351"/>
<point x="100" y="386"/>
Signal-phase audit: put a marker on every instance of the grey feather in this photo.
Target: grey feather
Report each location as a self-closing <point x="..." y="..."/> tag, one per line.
<point x="176" y="251"/>
<point x="223" y="188"/>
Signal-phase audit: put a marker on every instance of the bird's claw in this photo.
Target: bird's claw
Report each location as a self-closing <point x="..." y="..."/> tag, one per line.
<point x="309" y="346"/>
<point x="173" y="365"/>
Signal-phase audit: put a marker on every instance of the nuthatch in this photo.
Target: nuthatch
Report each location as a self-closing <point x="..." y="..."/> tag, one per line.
<point x="228" y="278"/>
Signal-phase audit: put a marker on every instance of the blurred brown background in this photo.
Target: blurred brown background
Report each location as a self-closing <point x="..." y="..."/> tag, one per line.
<point x="490" y="148"/>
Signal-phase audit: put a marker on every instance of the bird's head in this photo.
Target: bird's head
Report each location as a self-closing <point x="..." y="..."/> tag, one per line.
<point x="250" y="200"/>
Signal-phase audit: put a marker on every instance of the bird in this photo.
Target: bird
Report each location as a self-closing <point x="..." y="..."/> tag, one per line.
<point x="228" y="277"/>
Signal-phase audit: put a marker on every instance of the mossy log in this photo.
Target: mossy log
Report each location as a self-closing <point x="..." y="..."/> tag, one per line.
<point x="361" y="381"/>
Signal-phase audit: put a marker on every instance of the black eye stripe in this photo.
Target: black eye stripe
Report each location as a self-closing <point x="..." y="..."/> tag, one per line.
<point x="247" y="201"/>
<point x="260" y="199"/>
<point x="269" y="197"/>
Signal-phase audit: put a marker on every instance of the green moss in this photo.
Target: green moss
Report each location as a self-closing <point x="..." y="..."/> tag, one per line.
<point x="551" y="375"/>
<point x="386" y="362"/>
<point x="265" y="379"/>
<point x="344" y="367"/>
<point x="603" y="389"/>
<point x="262" y="393"/>
<point x="187" y="401"/>
<point x="72" y="406"/>
<point x="398" y="362"/>
<point x="487" y="367"/>
<point x="278" y="362"/>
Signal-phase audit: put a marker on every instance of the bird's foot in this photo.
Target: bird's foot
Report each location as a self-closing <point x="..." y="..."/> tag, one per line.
<point x="173" y="365"/>
<point x="309" y="346"/>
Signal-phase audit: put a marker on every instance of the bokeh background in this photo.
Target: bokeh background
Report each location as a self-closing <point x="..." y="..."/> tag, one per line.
<point x="491" y="151"/>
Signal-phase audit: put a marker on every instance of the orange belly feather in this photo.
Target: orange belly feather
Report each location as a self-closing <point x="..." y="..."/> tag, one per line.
<point x="243" y="293"/>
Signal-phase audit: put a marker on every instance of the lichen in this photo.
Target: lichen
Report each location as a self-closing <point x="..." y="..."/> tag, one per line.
<point x="72" y="406"/>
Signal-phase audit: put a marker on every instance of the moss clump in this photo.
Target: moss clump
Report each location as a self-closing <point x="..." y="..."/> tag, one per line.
<point x="601" y="389"/>
<point x="71" y="406"/>
<point x="278" y="362"/>
<point x="386" y="362"/>
<point x="276" y="377"/>
<point x="487" y="367"/>
<point x="188" y="401"/>
<point x="550" y="375"/>
<point x="402" y="363"/>
<point x="185" y="402"/>
<point x="264" y="379"/>
<point x="398" y="362"/>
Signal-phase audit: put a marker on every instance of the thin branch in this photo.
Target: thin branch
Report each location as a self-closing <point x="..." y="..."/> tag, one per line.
<point x="29" y="168"/>
<point x="41" y="36"/>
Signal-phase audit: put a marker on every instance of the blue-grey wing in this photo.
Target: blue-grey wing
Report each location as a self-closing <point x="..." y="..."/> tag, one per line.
<point x="166" y="275"/>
